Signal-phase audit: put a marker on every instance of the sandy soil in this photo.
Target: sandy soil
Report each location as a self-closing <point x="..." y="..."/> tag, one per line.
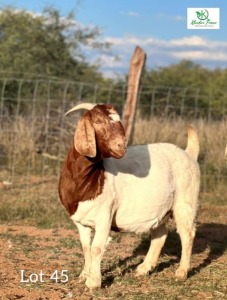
<point x="48" y="250"/>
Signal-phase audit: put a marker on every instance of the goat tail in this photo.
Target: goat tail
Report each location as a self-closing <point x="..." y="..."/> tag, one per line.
<point x="193" y="143"/>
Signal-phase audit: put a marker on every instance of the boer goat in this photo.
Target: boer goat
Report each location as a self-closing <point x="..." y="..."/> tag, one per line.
<point x="103" y="187"/>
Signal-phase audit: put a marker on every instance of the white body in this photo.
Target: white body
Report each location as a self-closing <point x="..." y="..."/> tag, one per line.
<point x="140" y="189"/>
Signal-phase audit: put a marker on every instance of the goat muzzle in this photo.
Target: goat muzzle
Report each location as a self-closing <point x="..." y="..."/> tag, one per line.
<point x="119" y="150"/>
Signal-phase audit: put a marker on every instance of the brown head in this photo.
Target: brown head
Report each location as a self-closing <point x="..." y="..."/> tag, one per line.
<point x="99" y="131"/>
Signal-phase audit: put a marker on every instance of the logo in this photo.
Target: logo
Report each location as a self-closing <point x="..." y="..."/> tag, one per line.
<point x="203" y="15"/>
<point x="203" y="18"/>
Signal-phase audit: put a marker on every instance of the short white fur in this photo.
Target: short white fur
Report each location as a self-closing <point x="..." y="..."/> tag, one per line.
<point x="115" y="117"/>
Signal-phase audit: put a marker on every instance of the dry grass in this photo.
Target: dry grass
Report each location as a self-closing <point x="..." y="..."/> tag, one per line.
<point x="18" y="136"/>
<point x="36" y="234"/>
<point x="21" y="139"/>
<point x="212" y="136"/>
<point x="29" y="155"/>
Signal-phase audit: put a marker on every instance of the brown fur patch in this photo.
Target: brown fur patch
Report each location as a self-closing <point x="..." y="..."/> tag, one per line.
<point x="96" y="137"/>
<point x="81" y="179"/>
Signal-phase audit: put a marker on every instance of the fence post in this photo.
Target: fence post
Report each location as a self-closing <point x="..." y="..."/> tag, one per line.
<point x="95" y="94"/>
<point x="135" y="71"/>
<point x="15" y="137"/>
<point x="224" y="99"/>
<point x="152" y="102"/>
<point x="2" y="98"/>
<point x="182" y="102"/>
<point x="167" y="101"/>
<point x="19" y="97"/>
<point x="196" y="103"/>
<point x="109" y="93"/>
<point x="67" y="85"/>
<point x="209" y="107"/>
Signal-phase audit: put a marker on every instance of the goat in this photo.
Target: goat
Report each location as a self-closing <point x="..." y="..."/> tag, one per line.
<point x="136" y="193"/>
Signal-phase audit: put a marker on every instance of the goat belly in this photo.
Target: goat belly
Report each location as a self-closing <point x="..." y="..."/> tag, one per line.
<point x="144" y="188"/>
<point x="138" y="220"/>
<point x="143" y="202"/>
<point x="138" y="226"/>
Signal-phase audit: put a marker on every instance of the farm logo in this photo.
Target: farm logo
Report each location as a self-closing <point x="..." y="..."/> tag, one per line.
<point x="203" y="15"/>
<point x="203" y="18"/>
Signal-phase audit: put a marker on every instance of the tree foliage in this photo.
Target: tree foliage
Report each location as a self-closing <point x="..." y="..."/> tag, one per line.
<point x="186" y="74"/>
<point x="45" y="44"/>
<point x="187" y="86"/>
<point x="50" y="45"/>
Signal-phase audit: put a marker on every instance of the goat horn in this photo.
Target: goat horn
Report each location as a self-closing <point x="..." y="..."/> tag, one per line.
<point x="87" y="106"/>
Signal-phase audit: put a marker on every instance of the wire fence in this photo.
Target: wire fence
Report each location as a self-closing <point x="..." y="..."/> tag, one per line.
<point x="35" y="135"/>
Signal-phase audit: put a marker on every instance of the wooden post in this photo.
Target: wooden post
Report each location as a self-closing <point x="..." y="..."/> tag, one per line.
<point x="135" y="71"/>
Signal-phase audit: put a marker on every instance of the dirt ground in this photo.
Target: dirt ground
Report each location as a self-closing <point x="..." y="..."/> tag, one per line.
<point x="32" y="258"/>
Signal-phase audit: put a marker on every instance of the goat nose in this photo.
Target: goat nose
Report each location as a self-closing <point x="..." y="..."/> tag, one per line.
<point x="121" y="146"/>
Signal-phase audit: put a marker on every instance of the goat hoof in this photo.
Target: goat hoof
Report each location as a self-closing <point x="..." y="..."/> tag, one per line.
<point x="142" y="269"/>
<point x="92" y="283"/>
<point x="181" y="274"/>
<point x="83" y="276"/>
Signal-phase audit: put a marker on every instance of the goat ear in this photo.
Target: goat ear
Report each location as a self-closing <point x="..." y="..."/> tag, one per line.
<point x="84" y="138"/>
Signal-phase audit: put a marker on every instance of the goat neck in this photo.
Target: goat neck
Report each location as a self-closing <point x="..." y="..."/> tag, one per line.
<point x="82" y="179"/>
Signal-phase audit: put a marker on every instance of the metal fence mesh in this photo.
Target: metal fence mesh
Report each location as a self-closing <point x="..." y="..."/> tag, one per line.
<point x="35" y="135"/>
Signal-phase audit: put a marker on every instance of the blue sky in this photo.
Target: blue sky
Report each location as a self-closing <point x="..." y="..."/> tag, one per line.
<point x="158" y="26"/>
